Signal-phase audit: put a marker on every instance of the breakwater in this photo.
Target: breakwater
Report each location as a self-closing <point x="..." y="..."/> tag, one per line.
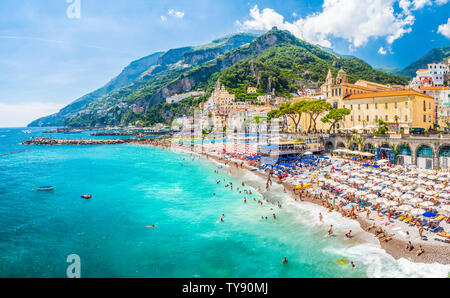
<point x="50" y="141"/>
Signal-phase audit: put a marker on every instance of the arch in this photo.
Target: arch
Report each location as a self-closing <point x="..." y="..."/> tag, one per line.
<point x="424" y="151"/>
<point x="369" y="148"/>
<point x="444" y="150"/>
<point x="329" y="146"/>
<point x="353" y="147"/>
<point x="404" y="150"/>
<point x="340" y="145"/>
<point x="444" y="156"/>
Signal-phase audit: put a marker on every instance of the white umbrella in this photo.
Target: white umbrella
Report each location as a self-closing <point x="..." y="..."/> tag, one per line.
<point x="405" y="208"/>
<point x="416" y="212"/>
<point x="371" y="196"/>
<point x="407" y="197"/>
<point x="427" y="204"/>
<point x="392" y="203"/>
<point x="416" y="201"/>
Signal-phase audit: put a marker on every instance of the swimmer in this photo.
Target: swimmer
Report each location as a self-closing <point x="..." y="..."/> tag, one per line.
<point x="284" y="261"/>
<point x="320" y="217"/>
<point x="245" y="200"/>
<point x="330" y="230"/>
<point x="348" y="234"/>
<point x="274" y="216"/>
<point x="352" y="264"/>
<point x="152" y="226"/>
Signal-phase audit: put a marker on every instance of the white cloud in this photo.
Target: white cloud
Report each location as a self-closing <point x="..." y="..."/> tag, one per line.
<point x="444" y="29"/>
<point x="177" y="14"/>
<point x="21" y="114"/>
<point x="419" y="4"/>
<point x="382" y="51"/>
<point x="164" y="18"/>
<point x="353" y="20"/>
<point x="442" y="2"/>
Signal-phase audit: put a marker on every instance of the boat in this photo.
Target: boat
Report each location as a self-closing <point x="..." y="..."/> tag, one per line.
<point x="87" y="197"/>
<point x="45" y="188"/>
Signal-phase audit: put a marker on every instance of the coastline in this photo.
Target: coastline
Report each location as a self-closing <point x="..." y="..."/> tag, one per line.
<point x="434" y="253"/>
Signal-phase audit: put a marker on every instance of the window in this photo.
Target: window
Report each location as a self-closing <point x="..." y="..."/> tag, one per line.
<point x="359" y="118"/>
<point x="406" y="118"/>
<point x="367" y="118"/>
<point x="406" y="104"/>
<point x="424" y="106"/>
<point x="396" y="105"/>
<point x="429" y="105"/>
<point x="340" y="91"/>
<point x="367" y="106"/>
<point x="386" y="118"/>
<point x="376" y="106"/>
<point x="351" y="118"/>
<point x="386" y="106"/>
<point x="429" y="118"/>
<point x="424" y="118"/>
<point x="376" y="117"/>
<point x="359" y="107"/>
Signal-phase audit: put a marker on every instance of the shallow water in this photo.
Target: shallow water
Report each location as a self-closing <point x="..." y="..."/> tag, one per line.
<point x="136" y="186"/>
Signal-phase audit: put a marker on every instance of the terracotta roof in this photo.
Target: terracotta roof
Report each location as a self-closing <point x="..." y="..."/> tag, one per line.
<point x="434" y="88"/>
<point x="358" y="87"/>
<point x="386" y="94"/>
<point x="423" y="69"/>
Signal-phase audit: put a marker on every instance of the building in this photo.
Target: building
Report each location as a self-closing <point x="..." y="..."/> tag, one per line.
<point x="400" y="109"/>
<point x="252" y="90"/>
<point x="438" y="72"/>
<point x="441" y="95"/>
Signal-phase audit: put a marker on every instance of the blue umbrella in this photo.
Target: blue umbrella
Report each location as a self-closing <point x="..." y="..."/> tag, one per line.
<point x="429" y="214"/>
<point x="354" y="158"/>
<point x="366" y="165"/>
<point x="375" y="166"/>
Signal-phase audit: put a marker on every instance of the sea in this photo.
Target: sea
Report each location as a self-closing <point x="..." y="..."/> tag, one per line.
<point x="134" y="187"/>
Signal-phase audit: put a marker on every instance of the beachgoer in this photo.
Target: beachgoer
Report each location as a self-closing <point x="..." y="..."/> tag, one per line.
<point x="330" y="230"/>
<point x="284" y="261"/>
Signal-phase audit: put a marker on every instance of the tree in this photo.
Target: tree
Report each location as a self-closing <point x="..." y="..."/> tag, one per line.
<point x="334" y="117"/>
<point x="382" y="127"/>
<point x="294" y="112"/>
<point x="314" y="109"/>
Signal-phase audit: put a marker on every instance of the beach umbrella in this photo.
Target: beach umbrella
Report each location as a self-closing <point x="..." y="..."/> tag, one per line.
<point x="429" y="214"/>
<point x="407" y="197"/>
<point x="396" y="194"/>
<point x="445" y="208"/>
<point x="371" y="196"/>
<point x="405" y="208"/>
<point x="391" y="203"/>
<point x="416" y="211"/>
<point x="427" y="204"/>
<point x="416" y="201"/>
<point x="421" y="190"/>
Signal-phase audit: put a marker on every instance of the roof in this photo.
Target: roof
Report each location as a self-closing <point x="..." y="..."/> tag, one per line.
<point x="386" y="94"/>
<point x="358" y="87"/>
<point x="434" y="88"/>
<point x="423" y="69"/>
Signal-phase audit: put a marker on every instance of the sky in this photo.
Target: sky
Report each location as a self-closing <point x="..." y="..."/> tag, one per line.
<point x="55" y="51"/>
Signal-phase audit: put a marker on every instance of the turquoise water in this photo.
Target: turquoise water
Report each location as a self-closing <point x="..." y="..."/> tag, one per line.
<point x="136" y="186"/>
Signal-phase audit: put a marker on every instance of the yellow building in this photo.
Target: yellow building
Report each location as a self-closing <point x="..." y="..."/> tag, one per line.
<point x="252" y="90"/>
<point x="400" y="109"/>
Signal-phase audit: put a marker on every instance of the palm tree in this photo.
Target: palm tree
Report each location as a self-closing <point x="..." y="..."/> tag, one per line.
<point x="396" y="119"/>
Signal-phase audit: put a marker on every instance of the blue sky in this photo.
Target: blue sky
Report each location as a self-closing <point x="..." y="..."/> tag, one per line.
<point x="47" y="59"/>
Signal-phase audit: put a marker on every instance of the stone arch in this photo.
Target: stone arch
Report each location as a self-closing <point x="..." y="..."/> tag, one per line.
<point x="443" y="156"/>
<point x="368" y="147"/>
<point x="404" y="155"/>
<point x="340" y="145"/>
<point x="353" y="147"/>
<point x="425" y="156"/>
<point x="329" y="146"/>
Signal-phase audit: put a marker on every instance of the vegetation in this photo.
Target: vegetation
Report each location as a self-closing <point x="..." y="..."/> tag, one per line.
<point x="334" y="117"/>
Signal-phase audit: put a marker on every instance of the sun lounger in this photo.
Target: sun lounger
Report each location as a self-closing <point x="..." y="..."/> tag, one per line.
<point x="442" y="239"/>
<point x="402" y="217"/>
<point x="408" y="219"/>
<point x="440" y="217"/>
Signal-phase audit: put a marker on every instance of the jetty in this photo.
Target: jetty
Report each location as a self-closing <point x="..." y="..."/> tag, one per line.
<point x="50" y="141"/>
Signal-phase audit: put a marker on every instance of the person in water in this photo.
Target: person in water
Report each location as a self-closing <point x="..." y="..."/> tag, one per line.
<point x="330" y="230"/>
<point x="352" y="264"/>
<point x="320" y="217"/>
<point x="152" y="226"/>
<point x="348" y="234"/>
<point x="284" y="261"/>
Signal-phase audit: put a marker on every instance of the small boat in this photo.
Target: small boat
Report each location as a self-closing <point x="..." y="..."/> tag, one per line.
<point x="86" y="197"/>
<point x="45" y="188"/>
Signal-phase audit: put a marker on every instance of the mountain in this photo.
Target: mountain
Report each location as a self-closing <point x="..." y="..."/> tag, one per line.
<point x="388" y="69"/>
<point x="150" y="69"/>
<point x="434" y="56"/>
<point x="276" y="59"/>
